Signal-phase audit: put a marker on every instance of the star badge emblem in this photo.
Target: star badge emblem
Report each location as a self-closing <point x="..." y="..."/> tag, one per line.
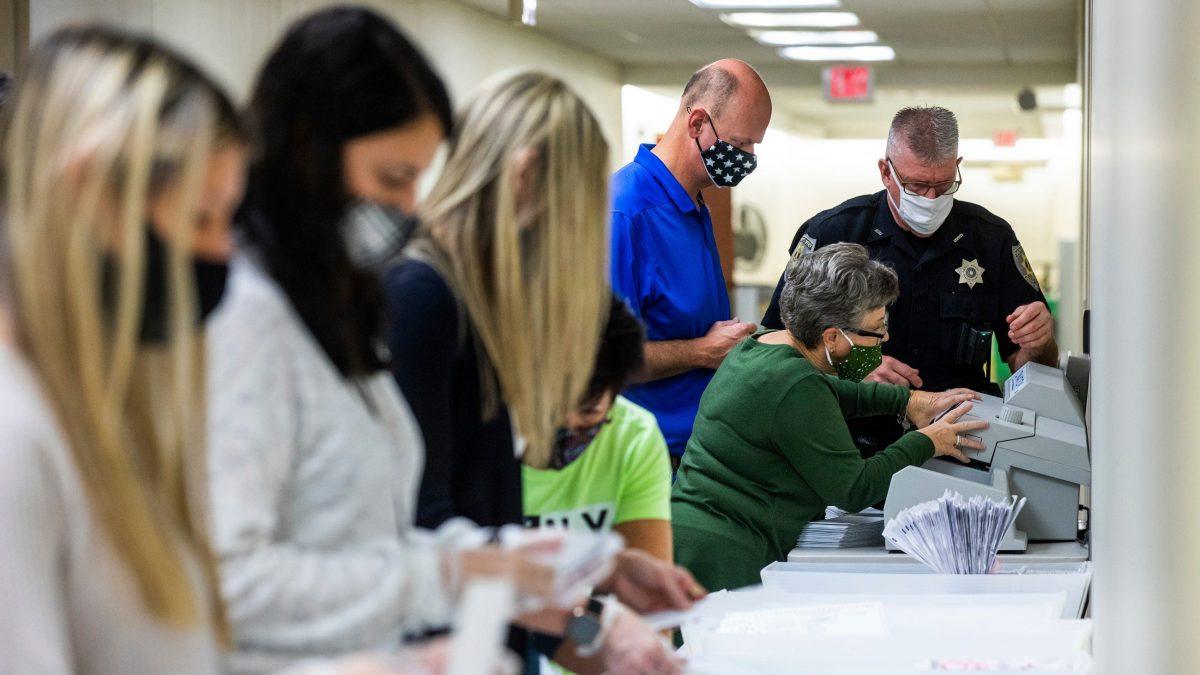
<point x="970" y="273"/>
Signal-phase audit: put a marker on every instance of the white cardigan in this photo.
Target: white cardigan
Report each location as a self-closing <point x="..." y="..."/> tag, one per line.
<point x="313" y="491"/>
<point x="70" y="604"/>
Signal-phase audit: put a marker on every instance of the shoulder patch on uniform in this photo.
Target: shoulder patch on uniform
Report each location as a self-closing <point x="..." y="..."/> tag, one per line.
<point x="1022" y="262"/>
<point x="808" y="244"/>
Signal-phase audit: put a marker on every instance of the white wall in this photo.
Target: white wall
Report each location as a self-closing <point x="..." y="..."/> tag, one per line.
<point x="799" y="177"/>
<point x="1145" y="244"/>
<point x="231" y="37"/>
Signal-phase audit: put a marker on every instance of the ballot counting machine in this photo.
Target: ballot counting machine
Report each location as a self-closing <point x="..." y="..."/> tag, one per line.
<point x="1035" y="446"/>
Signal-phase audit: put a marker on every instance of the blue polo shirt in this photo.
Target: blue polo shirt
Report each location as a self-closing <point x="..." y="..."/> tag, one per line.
<point x="665" y="265"/>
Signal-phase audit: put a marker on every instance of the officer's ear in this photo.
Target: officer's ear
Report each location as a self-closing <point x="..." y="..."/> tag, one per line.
<point x="885" y="176"/>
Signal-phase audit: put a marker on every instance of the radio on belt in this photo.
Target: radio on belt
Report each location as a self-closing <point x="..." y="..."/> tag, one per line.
<point x="1035" y="446"/>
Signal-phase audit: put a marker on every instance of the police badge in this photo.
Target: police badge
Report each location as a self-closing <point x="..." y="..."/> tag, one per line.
<point x="970" y="273"/>
<point x="1022" y="262"/>
<point x="807" y="244"/>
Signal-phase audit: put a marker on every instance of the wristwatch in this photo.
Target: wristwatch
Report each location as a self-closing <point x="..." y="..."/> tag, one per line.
<point x="584" y="627"/>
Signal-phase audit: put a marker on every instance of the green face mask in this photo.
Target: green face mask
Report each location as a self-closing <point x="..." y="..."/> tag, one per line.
<point x="861" y="362"/>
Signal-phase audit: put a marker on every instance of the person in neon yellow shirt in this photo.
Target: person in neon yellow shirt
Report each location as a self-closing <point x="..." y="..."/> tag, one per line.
<point x="611" y="469"/>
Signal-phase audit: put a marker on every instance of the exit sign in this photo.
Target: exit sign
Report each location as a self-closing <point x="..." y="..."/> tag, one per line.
<point x="848" y="84"/>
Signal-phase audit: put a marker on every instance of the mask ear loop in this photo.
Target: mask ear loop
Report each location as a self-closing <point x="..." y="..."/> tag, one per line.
<point x="696" y="140"/>
<point x="828" y="357"/>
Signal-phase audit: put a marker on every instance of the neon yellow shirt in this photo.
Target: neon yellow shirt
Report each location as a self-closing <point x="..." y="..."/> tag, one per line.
<point x="624" y="475"/>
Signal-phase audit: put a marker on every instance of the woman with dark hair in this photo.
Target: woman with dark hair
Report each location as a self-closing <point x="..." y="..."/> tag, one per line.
<point x="315" y="457"/>
<point x="346" y="109"/>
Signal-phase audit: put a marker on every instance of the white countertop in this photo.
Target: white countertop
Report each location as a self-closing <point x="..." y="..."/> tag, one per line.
<point x="1048" y="552"/>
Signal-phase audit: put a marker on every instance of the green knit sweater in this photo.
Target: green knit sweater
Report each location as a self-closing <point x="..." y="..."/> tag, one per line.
<point x="769" y="451"/>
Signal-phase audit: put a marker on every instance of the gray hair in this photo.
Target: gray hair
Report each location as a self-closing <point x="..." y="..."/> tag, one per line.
<point x="833" y="287"/>
<point x="930" y="133"/>
<point x="711" y="85"/>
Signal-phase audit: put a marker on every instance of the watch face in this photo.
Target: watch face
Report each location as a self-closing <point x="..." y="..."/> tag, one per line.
<point x="583" y="629"/>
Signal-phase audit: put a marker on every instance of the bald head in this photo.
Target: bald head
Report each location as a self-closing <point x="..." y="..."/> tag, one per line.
<point x="726" y="101"/>
<point x="728" y="81"/>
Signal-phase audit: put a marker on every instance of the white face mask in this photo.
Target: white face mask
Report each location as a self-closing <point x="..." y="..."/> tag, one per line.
<point x="922" y="214"/>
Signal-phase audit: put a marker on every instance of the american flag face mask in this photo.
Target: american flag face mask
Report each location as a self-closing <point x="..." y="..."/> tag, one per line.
<point x="726" y="165"/>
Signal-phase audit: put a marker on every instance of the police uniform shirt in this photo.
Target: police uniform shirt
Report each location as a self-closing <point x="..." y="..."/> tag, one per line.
<point x="970" y="274"/>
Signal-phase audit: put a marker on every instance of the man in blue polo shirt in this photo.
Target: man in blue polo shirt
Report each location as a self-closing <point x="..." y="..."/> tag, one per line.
<point x="665" y="263"/>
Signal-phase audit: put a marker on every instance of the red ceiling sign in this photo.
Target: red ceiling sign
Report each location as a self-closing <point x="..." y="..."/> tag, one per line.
<point x="849" y="84"/>
<point x="1004" y="138"/>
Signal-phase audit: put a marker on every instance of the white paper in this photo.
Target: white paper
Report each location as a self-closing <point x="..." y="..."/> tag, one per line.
<point x="854" y="619"/>
<point x="954" y="535"/>
<point x="843" y="530"/>
<point x="481" y="626"/>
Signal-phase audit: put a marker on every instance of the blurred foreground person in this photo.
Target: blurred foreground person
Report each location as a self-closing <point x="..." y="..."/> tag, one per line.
<point x="118" y="197"/>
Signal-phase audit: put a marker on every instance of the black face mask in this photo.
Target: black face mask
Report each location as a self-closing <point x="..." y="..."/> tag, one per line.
<point x="210" y="278"/>
<point x="725" y="164"/>
<point x="569" y="444"/>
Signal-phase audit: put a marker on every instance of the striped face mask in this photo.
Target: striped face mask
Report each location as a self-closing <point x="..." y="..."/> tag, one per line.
<point x="375" y="233"/>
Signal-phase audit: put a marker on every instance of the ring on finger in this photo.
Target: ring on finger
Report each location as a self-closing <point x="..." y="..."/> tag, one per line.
<point x="957" y="440"/>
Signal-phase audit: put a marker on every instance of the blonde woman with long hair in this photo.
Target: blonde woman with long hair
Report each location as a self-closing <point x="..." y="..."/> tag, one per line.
<point x="499" y="313"/>
<point x="496" y="316"/>
<point x="122" y="166"/>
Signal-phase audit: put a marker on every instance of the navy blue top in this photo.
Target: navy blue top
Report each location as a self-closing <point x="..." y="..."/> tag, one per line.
<point x="470" y="467"/>
<point x="936" y="300"/>
<point x="666" y="266"/>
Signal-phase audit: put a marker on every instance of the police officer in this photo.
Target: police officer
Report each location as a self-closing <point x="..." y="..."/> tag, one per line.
<point x="963" y="275"/>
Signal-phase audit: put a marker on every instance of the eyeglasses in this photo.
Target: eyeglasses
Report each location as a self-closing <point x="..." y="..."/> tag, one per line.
<point x="918" y="189"/>
<point x="870" y="334"/>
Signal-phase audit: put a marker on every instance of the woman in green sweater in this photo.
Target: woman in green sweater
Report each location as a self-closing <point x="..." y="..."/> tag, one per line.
<point x="770" y="448"/>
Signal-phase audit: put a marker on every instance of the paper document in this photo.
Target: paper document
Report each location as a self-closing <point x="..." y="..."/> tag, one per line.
<point x="843" y="530"/>
<point x="855" y="619"/>
<point x="953" y="535"/>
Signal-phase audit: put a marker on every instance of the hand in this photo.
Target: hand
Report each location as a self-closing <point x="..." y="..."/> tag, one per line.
<point x="894" y="371"/>
<point x="948" y="436"/>
<point x="532" y="579"/>
<point x="923" y="406"/>
<point x="632" y="646"/>
<point x="721" y="337"/>
<point x="647" y="584"/>
<point x="1031" y="326"/>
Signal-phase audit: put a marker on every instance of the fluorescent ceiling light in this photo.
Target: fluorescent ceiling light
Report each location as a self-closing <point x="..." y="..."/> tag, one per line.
<point x="788" y="38"/>
<point x="863" y="53"/>
<point x="766" y="4"/>
<point x="791" y="19"/>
